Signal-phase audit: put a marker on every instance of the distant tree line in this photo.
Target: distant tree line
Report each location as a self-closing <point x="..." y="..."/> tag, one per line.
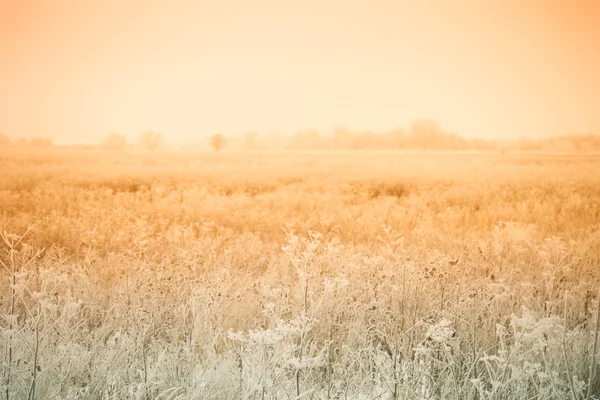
<point x="421" y="135"/>
<point x="34" y="142"/>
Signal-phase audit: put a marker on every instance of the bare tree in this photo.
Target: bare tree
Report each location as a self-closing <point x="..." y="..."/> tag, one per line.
<point x="151" y="140"/>
<point x="217" y="142"/>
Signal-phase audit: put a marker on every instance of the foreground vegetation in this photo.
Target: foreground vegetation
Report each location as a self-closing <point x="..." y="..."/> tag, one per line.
<point x="376" y="275"/>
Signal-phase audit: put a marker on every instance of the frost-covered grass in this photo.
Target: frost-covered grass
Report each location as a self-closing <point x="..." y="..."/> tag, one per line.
<point x="299" y="276"/>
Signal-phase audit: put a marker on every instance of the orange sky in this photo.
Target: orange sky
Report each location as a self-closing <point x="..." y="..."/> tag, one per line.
<point x="77" y="70"/>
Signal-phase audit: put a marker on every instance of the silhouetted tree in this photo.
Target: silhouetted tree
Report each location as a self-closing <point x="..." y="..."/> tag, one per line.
<point x="151" y="140"/>
<point x="217" y="141"/>
<point x="114" y="141"/>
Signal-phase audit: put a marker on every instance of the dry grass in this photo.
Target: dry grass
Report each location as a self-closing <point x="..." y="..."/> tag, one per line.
<point x="369" y="275"/>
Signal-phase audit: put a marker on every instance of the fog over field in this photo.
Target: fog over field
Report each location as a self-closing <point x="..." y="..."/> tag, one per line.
<point x="299" y="200"/>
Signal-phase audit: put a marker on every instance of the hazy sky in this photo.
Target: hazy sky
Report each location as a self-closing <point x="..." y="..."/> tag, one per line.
<point x="77" y="70"/>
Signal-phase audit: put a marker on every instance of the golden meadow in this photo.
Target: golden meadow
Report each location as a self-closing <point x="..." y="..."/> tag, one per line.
<point x="299" y="275"/>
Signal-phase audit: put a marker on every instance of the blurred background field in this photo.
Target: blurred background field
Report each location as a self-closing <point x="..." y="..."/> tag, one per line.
<point x="456" y="196"/>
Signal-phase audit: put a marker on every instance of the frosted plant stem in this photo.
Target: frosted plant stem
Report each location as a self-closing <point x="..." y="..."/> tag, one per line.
<point x="593" y="362"/>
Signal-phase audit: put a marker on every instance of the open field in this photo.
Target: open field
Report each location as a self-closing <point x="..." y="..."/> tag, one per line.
<point x="323" y="275"/>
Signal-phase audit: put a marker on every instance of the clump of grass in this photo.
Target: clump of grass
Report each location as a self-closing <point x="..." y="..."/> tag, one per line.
<point x="376" y="189"/>
<point x="397" y="190"/>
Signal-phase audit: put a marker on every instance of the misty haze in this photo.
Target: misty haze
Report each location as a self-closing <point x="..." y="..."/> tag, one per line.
<point x="299" y="200"/>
